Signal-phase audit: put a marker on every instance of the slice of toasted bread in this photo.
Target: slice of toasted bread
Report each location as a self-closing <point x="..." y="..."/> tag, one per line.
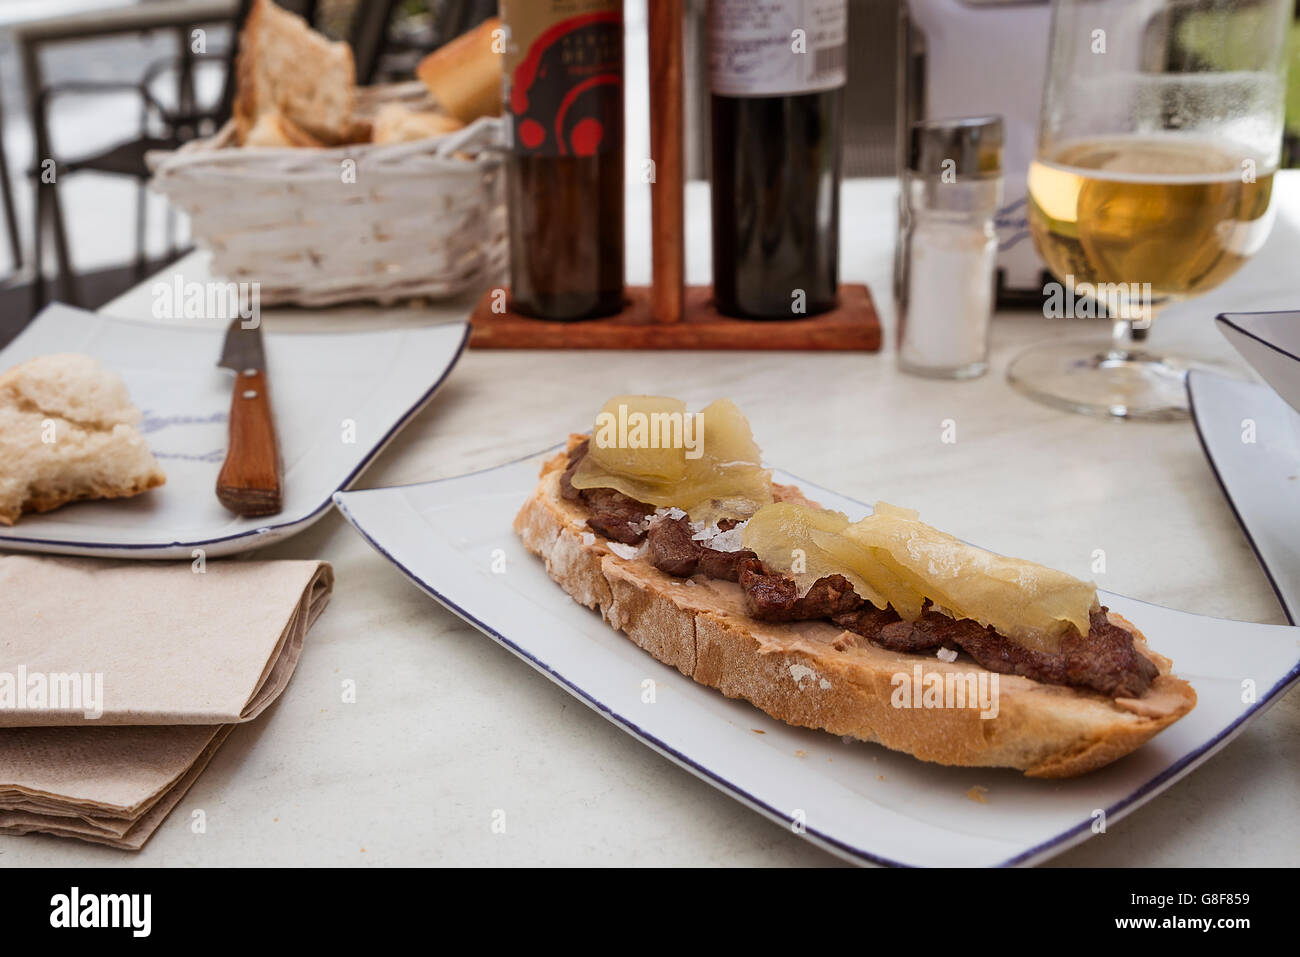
<point x="285" y="66"/>
<point x="67" y="432"/>
<point x="815" y="675"/>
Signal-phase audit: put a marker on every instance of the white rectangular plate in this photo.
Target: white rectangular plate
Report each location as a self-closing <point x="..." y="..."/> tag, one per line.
<point x="1252" y="439"/>
<point x="860" y="801"/>
<point x="375" y="380"/>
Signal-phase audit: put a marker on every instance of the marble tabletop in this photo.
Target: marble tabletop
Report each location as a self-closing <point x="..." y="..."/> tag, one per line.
<point x="449" y="728"/>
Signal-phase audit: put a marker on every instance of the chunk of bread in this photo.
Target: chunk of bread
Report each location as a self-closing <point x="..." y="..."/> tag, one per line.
<point x="398" y="123"/>
<point x="274" y="129"/>
<point x="815" y="675"/>
<point x="285" y="66"/>
<point x="68" y="432"/>
<point x="464" y="75"/>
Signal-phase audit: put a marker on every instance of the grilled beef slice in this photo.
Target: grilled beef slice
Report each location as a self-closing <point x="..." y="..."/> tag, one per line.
<point x="675" y="552"/>
<point x="1104" y="660"/>
<point x="884" y="627"/>
<point x="566" y="479"/>
<point x="613" y="514"/>
<point x="771" y="597"/>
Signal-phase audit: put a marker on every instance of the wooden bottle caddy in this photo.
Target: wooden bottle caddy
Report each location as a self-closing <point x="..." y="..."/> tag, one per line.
<point x="669" y="314"/>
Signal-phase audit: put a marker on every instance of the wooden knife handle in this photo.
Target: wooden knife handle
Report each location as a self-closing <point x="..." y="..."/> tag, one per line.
<point x="249" y="482"/>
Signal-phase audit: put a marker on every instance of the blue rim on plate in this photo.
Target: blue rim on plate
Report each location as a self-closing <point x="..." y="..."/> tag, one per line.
<point x="1226" y="318"/>
<point x="1063" y="840"/>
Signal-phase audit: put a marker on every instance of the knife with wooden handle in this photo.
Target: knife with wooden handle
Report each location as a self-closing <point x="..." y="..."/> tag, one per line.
<point x="249" y="482"/>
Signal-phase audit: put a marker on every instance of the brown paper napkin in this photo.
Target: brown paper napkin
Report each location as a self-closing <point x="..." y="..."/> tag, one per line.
<point x="107" y="785"/>
<point x="164" y="661"/>
<point x="150" y="644"/>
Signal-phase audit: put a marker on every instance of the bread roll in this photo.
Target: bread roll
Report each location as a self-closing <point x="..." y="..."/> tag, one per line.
<point x="465" y="74"/>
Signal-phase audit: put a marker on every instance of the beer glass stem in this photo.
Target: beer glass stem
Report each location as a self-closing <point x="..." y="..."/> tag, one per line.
<point x="1128" y="335"/>
<point x="1127" y="332"/>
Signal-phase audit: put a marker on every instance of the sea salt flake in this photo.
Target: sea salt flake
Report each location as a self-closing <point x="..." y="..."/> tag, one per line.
<point x="704" y="532"/>
<point x="719" y="540"/>
<point x="629" y="552"/>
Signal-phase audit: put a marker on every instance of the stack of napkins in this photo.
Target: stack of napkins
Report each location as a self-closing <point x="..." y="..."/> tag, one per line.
<point x="118" y="681"/>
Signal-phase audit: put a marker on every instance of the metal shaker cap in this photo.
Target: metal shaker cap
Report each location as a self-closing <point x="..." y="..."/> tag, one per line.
<point x="973" y="143"/>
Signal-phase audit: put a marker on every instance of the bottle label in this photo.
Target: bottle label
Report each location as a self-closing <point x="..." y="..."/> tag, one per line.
<point x="776" y="47"/>
<point x="563" y="76"/>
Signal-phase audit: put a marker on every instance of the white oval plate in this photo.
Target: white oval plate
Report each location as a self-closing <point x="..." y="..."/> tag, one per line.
<point x="377" y="381"/>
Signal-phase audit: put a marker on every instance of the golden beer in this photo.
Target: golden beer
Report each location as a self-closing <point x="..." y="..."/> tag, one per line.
<point x="1179" y="214"/>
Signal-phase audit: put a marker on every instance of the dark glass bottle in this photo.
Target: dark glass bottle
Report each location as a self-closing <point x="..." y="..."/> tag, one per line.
<point x="564" y="173"/>
<point x="776" y="118"/>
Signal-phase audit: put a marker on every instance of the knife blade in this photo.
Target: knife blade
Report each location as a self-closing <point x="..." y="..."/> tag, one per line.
<point x="249" y="482"/>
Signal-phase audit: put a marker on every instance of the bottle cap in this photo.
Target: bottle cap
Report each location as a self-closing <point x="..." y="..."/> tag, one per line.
<point x="973" y="143"/>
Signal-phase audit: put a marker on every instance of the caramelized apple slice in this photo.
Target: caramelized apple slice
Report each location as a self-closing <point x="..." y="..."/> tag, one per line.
<point x="807" y="544"/>
<point x="893" y="558"/>
<point x="1025" y="601"/>
<point x="716" y="474"/>
<point x="642" y="437"/>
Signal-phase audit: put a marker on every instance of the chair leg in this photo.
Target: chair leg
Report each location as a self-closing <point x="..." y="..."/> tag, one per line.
<point x="369" y="36"/>
<point x="141" y="213"/>
<point x="171" y="231"/>
<point x="11" y="217"/>
<point x="39" y="292"/>
<point x="67" y="281"/>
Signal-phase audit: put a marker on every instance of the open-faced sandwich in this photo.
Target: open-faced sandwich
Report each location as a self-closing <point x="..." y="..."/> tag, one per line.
<point x="884" y="629"/>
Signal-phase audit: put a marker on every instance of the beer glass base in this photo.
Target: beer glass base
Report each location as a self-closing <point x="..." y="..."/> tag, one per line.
<point x="1095" y="377"/>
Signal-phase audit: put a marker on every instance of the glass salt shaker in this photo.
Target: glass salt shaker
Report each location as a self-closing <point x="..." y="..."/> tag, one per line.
<point x="948" y="246"/>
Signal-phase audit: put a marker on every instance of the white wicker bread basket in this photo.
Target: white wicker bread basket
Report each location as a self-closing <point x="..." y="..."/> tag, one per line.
<point x="368" y="221"/>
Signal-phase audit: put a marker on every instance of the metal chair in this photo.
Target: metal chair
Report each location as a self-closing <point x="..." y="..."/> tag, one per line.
<point x="7" y="200"/>
<point x="161" y="126"/>
<point x="378" y="51"/>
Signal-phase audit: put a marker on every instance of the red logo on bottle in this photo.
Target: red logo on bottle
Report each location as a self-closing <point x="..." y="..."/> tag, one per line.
<point x="566" y="95"/>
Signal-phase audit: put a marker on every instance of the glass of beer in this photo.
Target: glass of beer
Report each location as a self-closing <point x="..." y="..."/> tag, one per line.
<point x="1160" y="132"/>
